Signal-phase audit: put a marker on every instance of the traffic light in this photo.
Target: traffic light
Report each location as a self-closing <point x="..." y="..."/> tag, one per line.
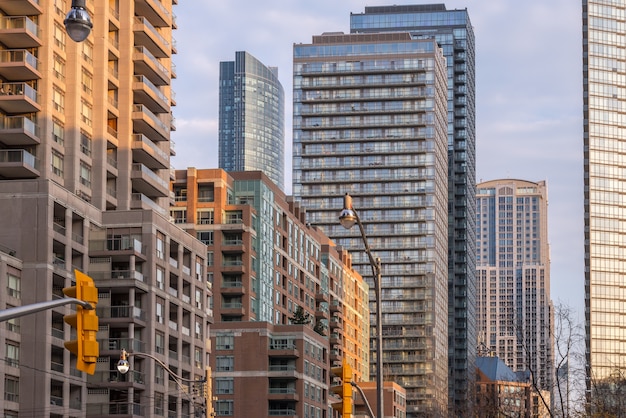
<point x="344" y="390"/>
<point x="85" y="346"/>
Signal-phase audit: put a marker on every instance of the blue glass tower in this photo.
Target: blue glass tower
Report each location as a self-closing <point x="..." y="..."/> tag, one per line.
<point x="453" y="31"/>
<point x="251" y="118"/>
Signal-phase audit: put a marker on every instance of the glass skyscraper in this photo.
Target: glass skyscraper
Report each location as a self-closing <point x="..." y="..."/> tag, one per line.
<point x="453" y="31"/>
<point x="604" y="126"/>
<point x="251" y="118"/>
<point x="370" y="120"/>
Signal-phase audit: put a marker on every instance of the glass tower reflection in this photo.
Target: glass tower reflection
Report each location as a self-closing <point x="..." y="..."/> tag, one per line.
<point x="251" y="118"/>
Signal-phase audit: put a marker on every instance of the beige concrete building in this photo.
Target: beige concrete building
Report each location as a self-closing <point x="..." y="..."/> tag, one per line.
<point x="516" y="317"/>
<point x="265" y="263"/>
<point x="84" y="184"/>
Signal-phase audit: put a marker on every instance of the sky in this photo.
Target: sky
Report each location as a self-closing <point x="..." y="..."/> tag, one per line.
<point x="528" y="94"/>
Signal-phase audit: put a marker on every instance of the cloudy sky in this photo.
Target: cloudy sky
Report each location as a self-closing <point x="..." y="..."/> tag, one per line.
<point x="528" y="93"/>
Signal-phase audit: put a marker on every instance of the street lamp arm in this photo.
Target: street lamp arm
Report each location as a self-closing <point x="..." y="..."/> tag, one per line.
<point x="125" y="354"/>
<point x="374" y="262"/>
<point x="367" y="404"/>
<point x="18" y="311"/>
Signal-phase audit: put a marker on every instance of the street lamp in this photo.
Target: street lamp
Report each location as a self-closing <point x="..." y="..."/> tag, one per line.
<point x="348" y="218"/>
<point x="77" y="21"/>
<point x="123" y="366"/>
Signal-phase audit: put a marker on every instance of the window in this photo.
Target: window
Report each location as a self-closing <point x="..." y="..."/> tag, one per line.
<point x="209" y="258"/>
<point x="59" y="7"/>
<point x="160" y="278"/>
<point x="88" y="51"/>
<point x="58" y="99"/>
<point x="224" y="342"/>
<point x="206" y="193"/>
<point x="58" y="68"/>
<point x="59" y="36"/>
<point x="159" y="342"/>
<point x="160" y="245"/>
<point x="86" y="112"/>
<point x="87" y="81"/>
<point x="11" y="389"/>
<point x="198" y="327"/>
<point x="224" y="363"/>
<point x="159" y="402"/>
<point x="205" y="217"/>
<point x="206" y="237"/>
<point x="224" y="386"/>
<point x="199" y="298"/>
<point x="85" y="143"/>
<point x="12" y="354"/>
<point x="160" y="310"/>
<point x="85" y="174"/>
<point x="223" y="408"/>
<point x="57" y="163"/>
<point x="179" y="216"/>
<point x="197" y="357"/>
<point x="13" y="325"/>
<point x="13" y="285"/>
<point x="159" y="374"/>
<point x="58" y="133"/>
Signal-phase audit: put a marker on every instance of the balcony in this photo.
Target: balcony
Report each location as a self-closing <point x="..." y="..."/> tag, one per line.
<point x="148" y="182"/>
<point x="125" y="312"/>
<point x="141" y="201"/>
<point x="149" y="66"/>
<point x="147" y="153"/>
<point x="19" y="65"/>
<point x="18" y="131"/>
<point x="18" y="164"/>
<point x="149" y="95"/>
<point x="232" y="288"/>
<point x="284" y="350"/>
<point x="19" y="32"/>
<point x="114" y="409"/>
<point x="154" y="11"/>
<point x="148" y="36"/>
<point x="117" y="344"/>
<point x="20" y="7"/>
<point x="19" y="98"/>
<point x="117" y="248"/>
<point x="147" y="123"/>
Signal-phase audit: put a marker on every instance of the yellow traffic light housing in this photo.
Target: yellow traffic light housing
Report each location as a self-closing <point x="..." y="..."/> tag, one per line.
<point x="85" y="346"/>
<point x="344" y="390"/>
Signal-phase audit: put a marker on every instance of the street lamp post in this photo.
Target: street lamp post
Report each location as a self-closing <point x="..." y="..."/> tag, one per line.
<point x="348" y="218"/>
<point x="77" y="21"/>
<point x="123" y="367"/>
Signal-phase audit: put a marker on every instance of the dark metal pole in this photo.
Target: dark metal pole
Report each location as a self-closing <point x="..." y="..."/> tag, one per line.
<point x="18" y="311"/>
<point x="376" y="271"/>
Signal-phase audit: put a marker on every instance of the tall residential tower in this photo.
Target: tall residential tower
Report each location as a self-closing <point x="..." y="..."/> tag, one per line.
<point x="604" y="123"/>
<point x="251" y="118"/>
<point x="84" y="184"/>
<point x="370" y="120"/>
<point x="513" y="270"/>
<point x="453" y="32"/>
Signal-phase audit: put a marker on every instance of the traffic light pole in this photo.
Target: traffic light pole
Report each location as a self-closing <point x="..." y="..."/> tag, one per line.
<point x="24" y="310"/>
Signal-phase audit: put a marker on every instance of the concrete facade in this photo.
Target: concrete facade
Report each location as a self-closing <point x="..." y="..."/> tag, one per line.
<point x="84" y="184"/>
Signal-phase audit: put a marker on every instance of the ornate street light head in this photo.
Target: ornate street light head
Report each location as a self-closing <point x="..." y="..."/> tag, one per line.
<point x="123" y="366"/>
<point x="347" y="217"/>
<point x="78" y="22"/>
